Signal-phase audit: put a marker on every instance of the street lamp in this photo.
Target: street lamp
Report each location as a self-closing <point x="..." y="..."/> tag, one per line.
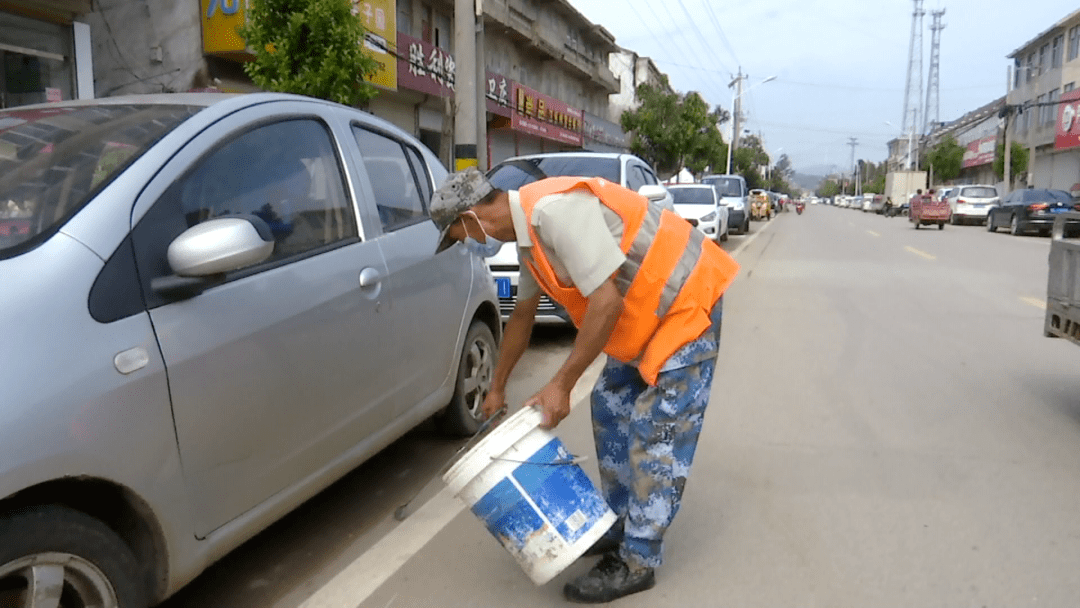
<point x="734" y="118"/>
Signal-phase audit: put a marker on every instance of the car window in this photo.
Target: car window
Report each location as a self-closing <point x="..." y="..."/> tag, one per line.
<point x="726" y="186"/>
<point x="635" y="177"/>
<point x="420" y="171"/>
<point x="650" y="177"/>
<point x="53" y="161"/>
<point x="296" y="188"/>
<point x="512" y="174"/>
<point x="399" y="196"/>
<point x="978" y="192"/>
<point x="693" y="196"/>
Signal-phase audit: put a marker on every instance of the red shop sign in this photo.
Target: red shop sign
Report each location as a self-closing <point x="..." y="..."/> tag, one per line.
<point x="544" y="116"/>
<point x="1068" y="122"/>
<point x="424" y="67"/>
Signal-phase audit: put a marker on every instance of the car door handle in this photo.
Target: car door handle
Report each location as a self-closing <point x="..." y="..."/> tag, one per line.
<point x="369" y="277"/>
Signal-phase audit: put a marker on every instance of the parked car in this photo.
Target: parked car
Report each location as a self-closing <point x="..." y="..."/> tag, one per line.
<point x="877" y="203"/>
<point x="733" y="195"/>
<point x="971" y="203"/>
<point x="1030" y="209"/>
<point x="216" y="306"/>
<point x="700" y="205"/>
<point x="627" y="170"/>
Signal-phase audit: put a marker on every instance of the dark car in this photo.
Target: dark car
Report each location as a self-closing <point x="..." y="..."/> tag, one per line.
<point x="1030" y="209"/>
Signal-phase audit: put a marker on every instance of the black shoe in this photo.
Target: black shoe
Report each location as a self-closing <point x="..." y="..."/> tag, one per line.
<point x="604" y="545"/>
<point x="609" y="580"/>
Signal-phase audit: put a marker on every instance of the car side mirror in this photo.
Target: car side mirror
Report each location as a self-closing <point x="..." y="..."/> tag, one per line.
<point x="653" y="192"/>
<point x="202" y="254"/>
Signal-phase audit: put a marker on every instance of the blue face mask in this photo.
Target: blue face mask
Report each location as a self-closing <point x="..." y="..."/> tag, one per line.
<point x="488" y="248"/>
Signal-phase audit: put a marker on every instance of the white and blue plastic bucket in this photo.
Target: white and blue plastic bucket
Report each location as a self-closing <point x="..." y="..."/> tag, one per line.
<point x="524" y="485"/>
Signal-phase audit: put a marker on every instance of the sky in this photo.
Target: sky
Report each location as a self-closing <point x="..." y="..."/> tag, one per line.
<point x="840" y="65"/>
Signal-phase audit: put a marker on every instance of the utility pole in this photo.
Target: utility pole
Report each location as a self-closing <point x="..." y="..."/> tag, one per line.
<point x="854" y="142"/>
<point x="737" y="109"/>
<point x="465" y="112"/>
<point x="1007" y="111"/>
<point x="481" y="91"/>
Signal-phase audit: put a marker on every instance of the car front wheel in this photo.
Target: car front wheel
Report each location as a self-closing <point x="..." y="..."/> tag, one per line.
<point x="58" y="557"/>
<point x="463" y="416"/>
<point x="990" y="227"/>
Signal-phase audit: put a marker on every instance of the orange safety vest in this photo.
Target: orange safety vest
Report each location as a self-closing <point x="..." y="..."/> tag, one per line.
<point x="670" y="282"/>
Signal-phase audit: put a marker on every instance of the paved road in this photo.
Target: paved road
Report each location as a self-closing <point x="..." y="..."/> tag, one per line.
<point x="888" y="428"/>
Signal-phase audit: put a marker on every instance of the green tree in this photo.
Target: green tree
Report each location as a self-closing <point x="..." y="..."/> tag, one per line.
<point x="829" y="187"/>
<point x="946" y="158"/>
<point x="1018" y="163"/>
<point x="672" y="131"/>
<point x="877" y="186"/>
<point x="309" y="47"/>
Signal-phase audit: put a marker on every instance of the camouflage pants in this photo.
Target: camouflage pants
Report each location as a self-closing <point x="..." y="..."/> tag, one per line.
<point x="645" y="441"/>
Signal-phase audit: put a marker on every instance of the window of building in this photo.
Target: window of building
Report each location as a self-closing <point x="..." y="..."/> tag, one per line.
<point x="1030" y="68"/>
<point x="36" y="62"/>
<point x="1051" y="108"/>
<point x="1017" y="68"/>
<point x="1044" y="50"/>
<point x="1074" y="42"/>
<point x="1056" y="51"/>
<point x="1069" y="87"/>
<point x="1040" y="102"/>
<point x="404" y="17"/>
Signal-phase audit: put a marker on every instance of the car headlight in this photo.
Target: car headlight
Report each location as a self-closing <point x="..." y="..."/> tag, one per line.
<point x="708" y="217"/>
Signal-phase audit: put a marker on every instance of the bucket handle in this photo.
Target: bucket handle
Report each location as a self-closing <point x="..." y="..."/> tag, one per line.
<point x="554" y="463"/>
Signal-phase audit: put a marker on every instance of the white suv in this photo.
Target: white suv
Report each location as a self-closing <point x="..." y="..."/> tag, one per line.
<point x="971" y="203"/>
<point x="626" y="170"/>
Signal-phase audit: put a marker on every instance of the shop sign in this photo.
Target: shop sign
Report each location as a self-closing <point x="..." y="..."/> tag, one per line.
<point x="980" y="152"/>
<point x="220" y="18"/>
<point x="1068" y="122"/>
<point x="379" y="18"/>
<point x="599" y="132"/>
<point x="544" y="116"/>
<point x="498" y="94"/>
<point x="424" y="67"/>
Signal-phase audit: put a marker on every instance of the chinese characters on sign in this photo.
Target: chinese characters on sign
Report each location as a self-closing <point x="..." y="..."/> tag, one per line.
<point x="425" y="67"/>
<point x="1068" y="122"/>
<point x="545" y="116"/>
<point x="498" y="94"/>
<point x="980" y="152"/>
<point x="379" y="18"/>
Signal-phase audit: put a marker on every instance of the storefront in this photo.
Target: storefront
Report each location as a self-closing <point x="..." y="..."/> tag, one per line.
<point x="44" y="58"/>
<point x="980" y="147"/>
<point x="601" y="135"/>
<point x="1065" y="159"/>
<point x="528" y="122"/>
<point x="420" y="101"/>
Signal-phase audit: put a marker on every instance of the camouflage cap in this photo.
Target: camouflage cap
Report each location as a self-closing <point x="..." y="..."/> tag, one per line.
<point x="459" y="192"/>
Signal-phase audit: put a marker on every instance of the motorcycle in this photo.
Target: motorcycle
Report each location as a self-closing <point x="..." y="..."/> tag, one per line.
<point x="799" y="207"/>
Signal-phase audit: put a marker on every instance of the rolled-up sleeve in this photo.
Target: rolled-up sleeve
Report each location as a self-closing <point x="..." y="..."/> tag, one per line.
<point x="574" y="232"/>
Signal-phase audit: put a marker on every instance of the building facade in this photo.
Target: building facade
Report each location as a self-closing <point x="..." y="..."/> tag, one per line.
<point x="1043" y="85"/>
<point x="546" y="74"/>
<point x="979" y="133"/>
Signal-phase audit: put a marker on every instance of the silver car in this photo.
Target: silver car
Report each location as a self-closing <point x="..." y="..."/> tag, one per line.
<point x="214" y="306"/>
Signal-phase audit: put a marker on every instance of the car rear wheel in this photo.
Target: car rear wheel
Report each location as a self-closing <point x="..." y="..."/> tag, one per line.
<point x="56" y="556"/>
<point x="941" y="225"/>
<point x="464" y="414"/>
<point x="952" y="220"/>
<point x="990" y="227"/>
<point x="1014" y="226"/>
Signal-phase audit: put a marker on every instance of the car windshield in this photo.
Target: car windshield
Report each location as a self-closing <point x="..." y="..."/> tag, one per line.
<point x="1046" y="196"/>
<point x="725" y="186"/>
<point x="978" y="192"/>
<point x="513" y="174"/>
<point x="54" y="160"/>
<point x="692" y="196"/>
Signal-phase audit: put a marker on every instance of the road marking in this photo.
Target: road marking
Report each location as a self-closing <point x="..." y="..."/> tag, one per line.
<point x="1036" y="302"/>
<point x="356" y="582"/>
<point x="921" y="253"/>
<point x="872" y="233"/>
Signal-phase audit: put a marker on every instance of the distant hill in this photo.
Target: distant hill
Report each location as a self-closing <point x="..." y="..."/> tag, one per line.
<point x="809" y="183"/>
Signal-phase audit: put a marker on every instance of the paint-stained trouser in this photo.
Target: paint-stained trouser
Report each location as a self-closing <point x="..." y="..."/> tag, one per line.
<point x="645" y="441"/>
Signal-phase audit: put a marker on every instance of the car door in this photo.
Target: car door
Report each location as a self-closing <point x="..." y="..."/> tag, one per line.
<point x="267" y="371"/>
<point x="428" y="291"/>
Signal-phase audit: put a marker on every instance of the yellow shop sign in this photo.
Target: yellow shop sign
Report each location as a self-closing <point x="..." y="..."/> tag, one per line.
<point x="220" y="18"/>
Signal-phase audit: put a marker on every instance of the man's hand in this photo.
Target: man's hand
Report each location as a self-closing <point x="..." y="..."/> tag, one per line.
<point x="496" y="398"/>
<point x="554" y="401"/>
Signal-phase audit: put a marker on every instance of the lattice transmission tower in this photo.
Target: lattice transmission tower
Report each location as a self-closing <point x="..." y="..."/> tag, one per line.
<point x="913" y="89"/>
<point x="933" y="81"/>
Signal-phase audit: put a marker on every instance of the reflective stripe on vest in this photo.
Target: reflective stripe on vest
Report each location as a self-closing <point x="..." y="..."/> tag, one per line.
<point x="670" y="280"/>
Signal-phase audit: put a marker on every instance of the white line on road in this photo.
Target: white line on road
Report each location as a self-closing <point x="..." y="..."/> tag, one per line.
<point x="750" y="239"/>
<point x="920" y="253"/>
<point x="872" y="233"/>
<point x="355" y="583"/>
<point x="1036" y="302"/>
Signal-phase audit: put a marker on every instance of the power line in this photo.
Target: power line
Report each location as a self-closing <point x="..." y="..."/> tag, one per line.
<point x="720" y="30"/>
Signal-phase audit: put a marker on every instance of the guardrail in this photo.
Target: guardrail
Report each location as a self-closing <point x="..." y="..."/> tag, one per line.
<point x="1063" y="282"/>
